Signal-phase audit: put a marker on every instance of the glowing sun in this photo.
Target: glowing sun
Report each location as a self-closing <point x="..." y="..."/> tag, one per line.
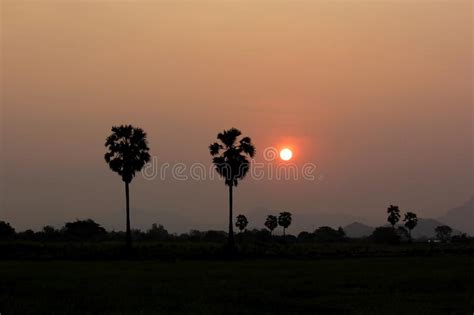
<point x="286" y="154"/>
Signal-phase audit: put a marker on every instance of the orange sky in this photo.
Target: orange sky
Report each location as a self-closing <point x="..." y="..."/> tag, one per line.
<point x="377" y="94"/>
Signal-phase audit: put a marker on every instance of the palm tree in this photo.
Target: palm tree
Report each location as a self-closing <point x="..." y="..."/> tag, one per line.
<point x="393" y="215"/>
<point x="241" y="222"/>
<point x="231" y="160"/>
<point x="284" y="220"/>
<point x="127" y="153"/>
<point x="271" y="223"/>
<point x="411" y="221"/>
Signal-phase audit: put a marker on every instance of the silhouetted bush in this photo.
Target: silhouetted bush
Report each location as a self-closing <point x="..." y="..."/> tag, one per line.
<point x="254" y="235"/>
<point x="157" y="233"/>
<point x="83" y="230"/>
<point x="28" y="235"/>
<point x="214" y="236"/>
<point x="463" y="238"/>
<point x="286" y="239"/>
<point x="403" y="233"/>
<point x="49" y="233"/>
<point x="6" y="231"/>
<point x="195" y="235"/>
<point x="138" y="235"/>
<point x="443" y="233"/>
<point x="326" y="234"/>
<point x="304" y="237"/>
<point x="385" y="235"/>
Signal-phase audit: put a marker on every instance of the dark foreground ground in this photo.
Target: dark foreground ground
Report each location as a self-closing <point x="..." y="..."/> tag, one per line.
<point x="395" y="285"/>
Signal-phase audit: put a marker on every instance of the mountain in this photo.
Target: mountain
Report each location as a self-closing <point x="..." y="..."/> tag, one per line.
<point x="426" y="228"/>
<point x="357" y="230"/>
<point x="461" y="217"/>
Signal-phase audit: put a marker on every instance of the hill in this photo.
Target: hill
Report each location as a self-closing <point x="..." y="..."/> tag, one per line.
<point x="426" y="228"/>
<point x="461" y="217"/>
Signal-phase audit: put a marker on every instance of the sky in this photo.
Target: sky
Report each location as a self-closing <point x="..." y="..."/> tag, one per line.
<point x="377" y="95"/>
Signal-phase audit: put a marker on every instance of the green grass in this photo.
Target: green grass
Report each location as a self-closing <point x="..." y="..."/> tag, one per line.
<point x="403" y="285"/>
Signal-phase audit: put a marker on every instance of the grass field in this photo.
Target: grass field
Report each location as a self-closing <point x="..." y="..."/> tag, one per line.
<point x="403" y="285"/>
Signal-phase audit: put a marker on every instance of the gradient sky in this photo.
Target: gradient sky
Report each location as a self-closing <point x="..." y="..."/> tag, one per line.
<point x="378" y="94"/>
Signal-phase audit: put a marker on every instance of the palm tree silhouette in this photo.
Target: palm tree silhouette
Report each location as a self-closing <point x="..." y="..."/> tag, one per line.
<point x="271" y="223"/>
<point x="393" y="215"/>
<point x="284" y="220"/>
<point x="241" y="222"/>
<point x="231" y="160"/>
<point x="127" y="153"/>
<point x="411" y="221"/>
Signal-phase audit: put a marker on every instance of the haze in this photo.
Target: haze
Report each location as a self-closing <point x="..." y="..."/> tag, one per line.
<point x="377" y="94"/>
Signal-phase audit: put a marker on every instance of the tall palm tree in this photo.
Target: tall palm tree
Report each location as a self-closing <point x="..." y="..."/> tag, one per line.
<point x="241" y="222"/>
<point x="393" y="215"/>
<point x="271" y="223"/>
<point x="127" y="153"/>
<point x="411" y="221"/>
<point x="231" y="158"/>
<point x="284" y="220"/>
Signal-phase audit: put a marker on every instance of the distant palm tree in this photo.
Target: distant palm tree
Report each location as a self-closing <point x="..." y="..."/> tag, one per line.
<point x="241" y="222"/>
<point x="411" y="221"/>
<point x="127" y="153"/>
<point x="231" y="160"/>
<point x="271" y="223"/>
<point x="393" y="215"/>
<point x="284" y="220"/>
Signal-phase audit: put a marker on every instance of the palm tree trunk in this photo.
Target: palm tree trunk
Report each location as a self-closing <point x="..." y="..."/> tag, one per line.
<point x="283" y="231"/>
<point x="231" y="226"/>
<point x="128" y="236"/>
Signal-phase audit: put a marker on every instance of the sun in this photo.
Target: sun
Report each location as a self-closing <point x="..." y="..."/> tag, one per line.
<point x="286" y="154"/>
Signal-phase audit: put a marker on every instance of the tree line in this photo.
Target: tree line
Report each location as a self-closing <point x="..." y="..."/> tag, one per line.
<point x="88" y="230"/>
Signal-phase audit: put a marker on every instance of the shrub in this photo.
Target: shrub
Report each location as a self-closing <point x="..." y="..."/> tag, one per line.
<point x="385" y="235"/>
<point x="6" y="231"/>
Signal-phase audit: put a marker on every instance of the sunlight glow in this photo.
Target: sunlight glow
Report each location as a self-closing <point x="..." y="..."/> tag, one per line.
<point x="286" y="154"/>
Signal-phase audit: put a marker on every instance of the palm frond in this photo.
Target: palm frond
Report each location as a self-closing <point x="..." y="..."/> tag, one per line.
<point x="215" y="148"/>
<point x="231" y="156"/>
<point x="128" y="151"/>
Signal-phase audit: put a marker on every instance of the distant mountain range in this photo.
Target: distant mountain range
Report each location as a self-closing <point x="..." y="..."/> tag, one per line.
<point x="462" y="217"/>
<point x="424" y="229"/>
